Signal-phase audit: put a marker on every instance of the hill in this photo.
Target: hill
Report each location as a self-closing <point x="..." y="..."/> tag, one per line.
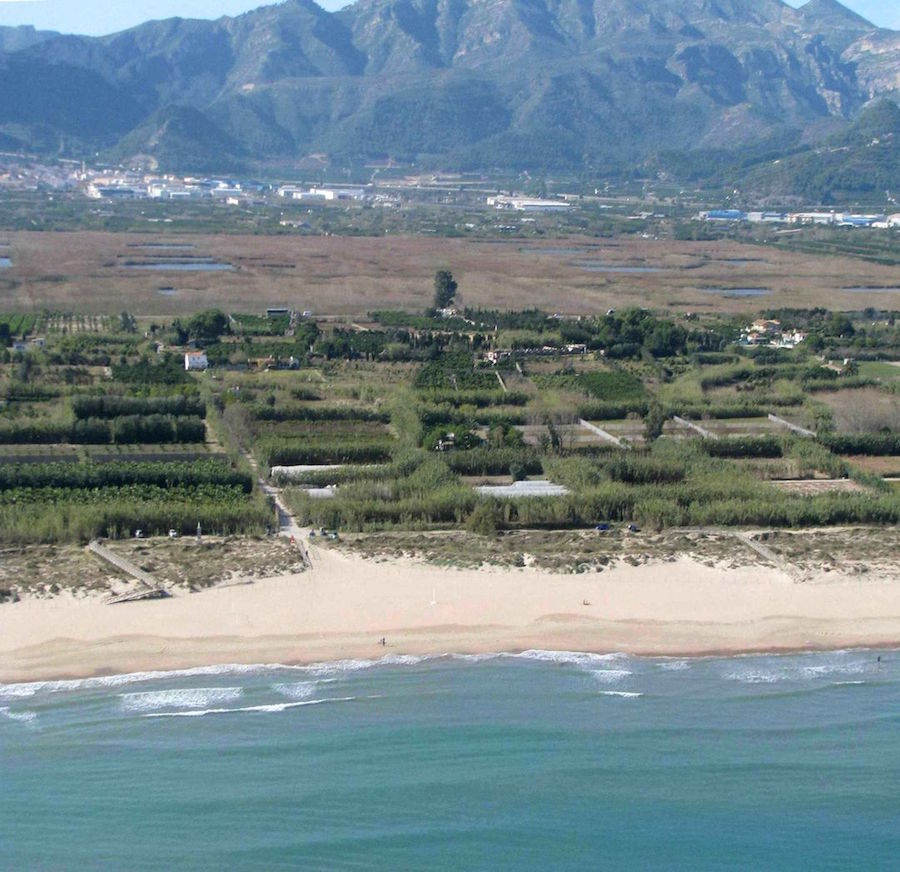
<point x="858" y="162"/>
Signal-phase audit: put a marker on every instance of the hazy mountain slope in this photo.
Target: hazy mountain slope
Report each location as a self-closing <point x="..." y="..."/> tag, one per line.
<point x="17" y="38"/>
<point x="861" y="160"/>
<point x="512" y="83"/>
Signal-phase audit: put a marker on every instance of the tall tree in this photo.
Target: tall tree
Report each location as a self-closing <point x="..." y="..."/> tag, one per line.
<point x="444" y="288"/>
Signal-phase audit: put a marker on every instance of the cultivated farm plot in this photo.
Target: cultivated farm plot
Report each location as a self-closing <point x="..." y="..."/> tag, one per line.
<point x="16" y="454"/>
<point x="769" y="468"/>
<point x="173" y="453"/>
<point x="19" y="322"/>
<point x="886" y="466"/>
<point x="725" y="427"/>
<point x="812" y="486"/>
<point x="629" y="430"/>
<point x="674" y="430"/>
<point x="89" y="464"/>
<point x="571" y="436"/>
<point x="74" y="323"/>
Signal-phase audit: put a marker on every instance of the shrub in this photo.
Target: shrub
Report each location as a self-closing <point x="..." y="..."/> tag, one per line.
<point x="744" y="446"/>
<point x="485" y="519"/>
<point x="875" y="444"/>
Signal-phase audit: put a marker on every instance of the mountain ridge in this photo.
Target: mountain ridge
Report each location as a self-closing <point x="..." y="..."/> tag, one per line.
<point x="515" y="84"/>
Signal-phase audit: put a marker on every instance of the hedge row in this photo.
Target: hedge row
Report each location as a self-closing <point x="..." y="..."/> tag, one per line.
<point x="875" y="444"/>
<point x="318" y="413"/>
<point x="292" y="452"/>
<point x="744" y="446"/>
<point x="116" y="406"/>
<point x="118" y="474"/>
<point x="124" y="430"/>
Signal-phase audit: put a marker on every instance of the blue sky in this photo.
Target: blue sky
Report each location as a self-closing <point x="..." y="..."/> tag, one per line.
<point x="107" y="16"/>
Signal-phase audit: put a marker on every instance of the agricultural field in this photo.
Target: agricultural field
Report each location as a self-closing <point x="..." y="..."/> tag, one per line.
<point x="392" y="422"/>
<point x="368" y="443"/>
<point x="123" y="448"/>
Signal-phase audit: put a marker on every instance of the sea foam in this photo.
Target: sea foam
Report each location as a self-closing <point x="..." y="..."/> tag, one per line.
<point x="121" y="680"/>
<point x="674" y="665"/>
<point x="611" y="676"/>
<point x="575" y="658"/>
<point x="180" y="698"/>
<point x="23" y="717"/>
<point x="269" y="707"/>
<point x="296" y="690"/>
<point x="774" y="670"/>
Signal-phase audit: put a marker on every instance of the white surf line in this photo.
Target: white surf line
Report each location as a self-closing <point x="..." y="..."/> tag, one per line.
<point x="265" y="707"/>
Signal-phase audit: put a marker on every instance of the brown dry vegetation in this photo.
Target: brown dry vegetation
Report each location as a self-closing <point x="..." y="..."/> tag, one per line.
<point x="853" y="550"/>
<point x="85" y="272"/>
<point x="180" y="564"/>
<point x="192" y="565"/>
<point x="46" y="570"/>
<point x="806" y="554"/>
<point x="875" y="465"/>
<point x="866" y="410"/>
<point x="562" y="551"/>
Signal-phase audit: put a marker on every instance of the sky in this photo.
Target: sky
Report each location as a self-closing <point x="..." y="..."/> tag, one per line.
<point x="97" y="17"/>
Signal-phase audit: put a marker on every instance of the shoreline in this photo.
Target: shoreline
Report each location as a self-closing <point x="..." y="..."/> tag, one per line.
<point x="341" y="609"/>
<point x="380" y="658"/>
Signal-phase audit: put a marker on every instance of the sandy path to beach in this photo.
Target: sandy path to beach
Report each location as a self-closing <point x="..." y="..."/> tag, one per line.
<point x="345" y="605"/>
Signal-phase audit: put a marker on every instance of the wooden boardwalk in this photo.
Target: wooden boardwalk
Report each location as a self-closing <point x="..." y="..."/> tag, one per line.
<point x="151" y="588"/>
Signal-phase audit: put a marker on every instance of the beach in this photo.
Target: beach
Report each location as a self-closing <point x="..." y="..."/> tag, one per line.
<point x="346" y="605"/>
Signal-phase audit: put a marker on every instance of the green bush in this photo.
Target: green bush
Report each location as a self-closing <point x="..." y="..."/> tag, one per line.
<point x="874" y="444"/>
<point x="484" y="519"/>
<point x="744" y="446"/>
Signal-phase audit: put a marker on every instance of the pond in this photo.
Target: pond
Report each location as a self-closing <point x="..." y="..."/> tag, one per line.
<point x="5" y="263"/>
<point x="865" y="289"/>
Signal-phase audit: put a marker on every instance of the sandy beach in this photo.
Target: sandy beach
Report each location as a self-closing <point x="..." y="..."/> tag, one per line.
<point x="345" y="605"/>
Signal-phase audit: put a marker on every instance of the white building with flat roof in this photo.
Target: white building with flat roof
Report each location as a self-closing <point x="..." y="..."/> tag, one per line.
<point x="528" y="204"/>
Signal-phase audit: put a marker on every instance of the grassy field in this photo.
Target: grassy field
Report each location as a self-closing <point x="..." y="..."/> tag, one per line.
<point x="91" y="273"/>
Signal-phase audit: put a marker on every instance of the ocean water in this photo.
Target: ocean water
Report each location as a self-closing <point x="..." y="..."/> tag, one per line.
<point x="528" y="762"/>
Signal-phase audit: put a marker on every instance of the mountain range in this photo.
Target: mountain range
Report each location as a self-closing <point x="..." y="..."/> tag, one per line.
<point x="593" y="86"/>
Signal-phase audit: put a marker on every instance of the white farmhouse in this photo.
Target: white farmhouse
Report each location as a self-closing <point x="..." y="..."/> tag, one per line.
<point x="195" y="360"/>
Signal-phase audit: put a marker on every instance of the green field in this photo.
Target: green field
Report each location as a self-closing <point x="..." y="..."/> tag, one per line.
<point x="102" y="434"/>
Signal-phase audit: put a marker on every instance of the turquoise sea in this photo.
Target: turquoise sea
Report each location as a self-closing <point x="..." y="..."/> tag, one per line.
<point x="528" y="762"/>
